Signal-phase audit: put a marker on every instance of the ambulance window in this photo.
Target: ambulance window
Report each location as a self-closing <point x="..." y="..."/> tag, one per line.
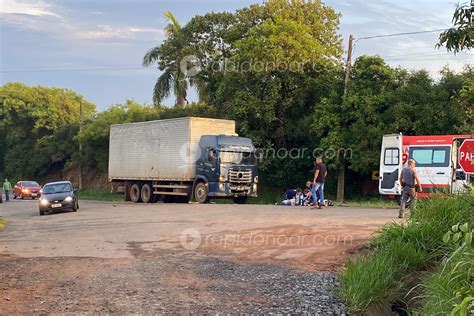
<point x="439" y="156"/>
<point x="430" y="156"/>
<point x="391" y="157"/>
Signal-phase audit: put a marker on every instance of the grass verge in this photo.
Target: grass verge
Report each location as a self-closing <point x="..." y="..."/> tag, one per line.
<point x="99" y="195"/>
<point x="400" y="252"/>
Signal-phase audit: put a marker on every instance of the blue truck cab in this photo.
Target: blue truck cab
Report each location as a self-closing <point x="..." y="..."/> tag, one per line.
<point x="226" y="167"/>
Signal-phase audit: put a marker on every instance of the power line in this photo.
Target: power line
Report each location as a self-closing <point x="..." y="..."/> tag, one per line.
<point x="399" y="34"/>
<point x="421" y="57"/>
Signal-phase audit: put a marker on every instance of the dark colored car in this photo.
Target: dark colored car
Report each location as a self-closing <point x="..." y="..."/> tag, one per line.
<point x="58" y="196"/>
<point x="23" y="189"/>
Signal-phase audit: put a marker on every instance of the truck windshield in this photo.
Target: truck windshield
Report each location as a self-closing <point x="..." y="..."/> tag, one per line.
<point x="243" y="158"/>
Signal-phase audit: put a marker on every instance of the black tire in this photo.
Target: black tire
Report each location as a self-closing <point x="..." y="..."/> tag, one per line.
<point x="200" y="193"/>
<point x="135" y="195"/>
<point x="41" y="212"/>
<point x="14" y="196"/>
<point x="147" y="193"/>
<point x="75" y="206"/>
<point x="240" y="199"/>
<point x="22" y="197"/>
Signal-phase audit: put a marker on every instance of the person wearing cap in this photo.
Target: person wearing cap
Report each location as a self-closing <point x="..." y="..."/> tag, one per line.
<point x="409" y="180"/>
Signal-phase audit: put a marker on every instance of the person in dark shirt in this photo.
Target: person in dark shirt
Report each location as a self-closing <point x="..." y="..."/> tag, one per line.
<point x="289" y="194"/>
<point x="409" y="180"/>
<point x="293" y="197"/>
<point x="317" y="188"/>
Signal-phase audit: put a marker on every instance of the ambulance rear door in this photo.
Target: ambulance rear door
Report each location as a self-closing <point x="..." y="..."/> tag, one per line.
<point x="390" y="165"/>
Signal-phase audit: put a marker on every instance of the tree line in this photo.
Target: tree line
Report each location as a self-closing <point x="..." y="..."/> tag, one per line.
<point x="291" y="94"/>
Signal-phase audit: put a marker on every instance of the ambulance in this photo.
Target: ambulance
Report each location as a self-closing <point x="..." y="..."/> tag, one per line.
<point x="436" y="159"/>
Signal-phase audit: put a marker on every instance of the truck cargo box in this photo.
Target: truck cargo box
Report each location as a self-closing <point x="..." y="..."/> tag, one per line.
<point x="160" y="150"/>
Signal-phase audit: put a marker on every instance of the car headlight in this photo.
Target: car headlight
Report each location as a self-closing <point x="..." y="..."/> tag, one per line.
<point x="44" y="202"/>
<point x="222" y="179"/>
<point x="68" y="199"/>
<point x="255" y="179"/>
<point x="24" y="191"/>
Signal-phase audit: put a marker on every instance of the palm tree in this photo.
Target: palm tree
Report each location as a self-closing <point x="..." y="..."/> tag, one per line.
<point x="172" y="77"/>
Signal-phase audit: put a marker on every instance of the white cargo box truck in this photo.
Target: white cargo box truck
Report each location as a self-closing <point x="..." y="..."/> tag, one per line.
<point x="176" y="158"/>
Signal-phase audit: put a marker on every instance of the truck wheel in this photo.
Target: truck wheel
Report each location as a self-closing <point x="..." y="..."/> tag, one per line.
<point x="200" y="193"/>
<point x="240" y="200"/>
<point x="147" y="193"/>
<point x="135" y="193"/>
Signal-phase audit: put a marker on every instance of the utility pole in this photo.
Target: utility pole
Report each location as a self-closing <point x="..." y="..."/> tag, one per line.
<point x="348" y="63"/>
<point x="80" y="144"/>
<point x="341" y="175"/>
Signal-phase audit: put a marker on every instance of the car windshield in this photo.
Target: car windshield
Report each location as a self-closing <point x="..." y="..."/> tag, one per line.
<point x="243" y="158"/>
<point x="57" y="188"/>
<point x="30" y="184"/>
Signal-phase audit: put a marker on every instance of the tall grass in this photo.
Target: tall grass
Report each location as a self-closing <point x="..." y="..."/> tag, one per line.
<point x="367" y="279"/>
<point x="449" y="284"/>
<point x="400" y="250"/>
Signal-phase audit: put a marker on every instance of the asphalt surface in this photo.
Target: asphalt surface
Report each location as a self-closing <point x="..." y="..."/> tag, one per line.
<point x="173" y="258"/>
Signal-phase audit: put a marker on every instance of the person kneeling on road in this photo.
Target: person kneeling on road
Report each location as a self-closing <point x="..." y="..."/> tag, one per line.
<point x="293" y="197"/>
<point x="409" y="181"/>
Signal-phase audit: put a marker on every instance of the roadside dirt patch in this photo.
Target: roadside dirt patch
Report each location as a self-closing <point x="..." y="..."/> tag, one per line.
<point x="297" y="246"/>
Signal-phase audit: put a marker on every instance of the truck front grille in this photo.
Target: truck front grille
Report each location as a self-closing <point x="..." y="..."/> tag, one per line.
<point x="242" y="176"/>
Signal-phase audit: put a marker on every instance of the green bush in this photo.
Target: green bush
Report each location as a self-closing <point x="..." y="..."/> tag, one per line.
<point x="400" y="250"/>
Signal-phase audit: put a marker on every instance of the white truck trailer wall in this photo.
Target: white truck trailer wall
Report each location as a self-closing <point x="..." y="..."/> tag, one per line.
<point x="160" y="150"/>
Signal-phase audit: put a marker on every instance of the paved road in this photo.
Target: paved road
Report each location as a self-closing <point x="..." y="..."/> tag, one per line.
<point x="107" y="230"/>
<point x="175" y="258"/>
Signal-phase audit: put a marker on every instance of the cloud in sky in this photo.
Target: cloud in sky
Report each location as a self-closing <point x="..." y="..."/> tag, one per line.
<point x="28" y="8"/>
<point x="102" y="32"/>
<point x="43" y="17"/>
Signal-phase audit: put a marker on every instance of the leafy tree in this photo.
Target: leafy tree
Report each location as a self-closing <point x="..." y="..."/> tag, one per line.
<point x="37" y="128"/>
<point x="168" y="57"/>
<point x="274" y="40"/>
<point x="461" y="35"/>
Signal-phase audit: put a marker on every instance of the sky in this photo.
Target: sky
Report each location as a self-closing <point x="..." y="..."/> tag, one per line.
<point x="96" y="47"/>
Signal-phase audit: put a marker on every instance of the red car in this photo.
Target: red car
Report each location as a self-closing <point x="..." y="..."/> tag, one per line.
<point x="24" y="189"/>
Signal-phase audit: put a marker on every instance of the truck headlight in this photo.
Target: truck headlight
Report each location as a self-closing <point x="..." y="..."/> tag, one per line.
<point x="44" y="202"/>
<point x="68" y="199"/>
